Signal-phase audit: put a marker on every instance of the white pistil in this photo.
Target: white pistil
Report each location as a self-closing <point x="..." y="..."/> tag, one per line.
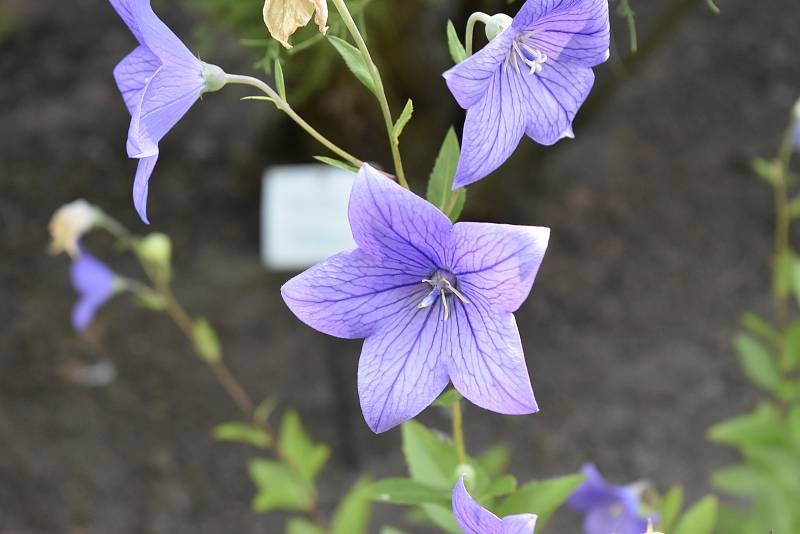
<point x="441" y="286"/>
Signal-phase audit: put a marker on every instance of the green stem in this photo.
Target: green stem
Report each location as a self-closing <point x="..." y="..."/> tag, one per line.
<point x="783" y="219"/>
<point x="458" y="433"/>
<point x="286" y="108"/>
<point x="474" y="19"/>
<point x="380" y="93"/>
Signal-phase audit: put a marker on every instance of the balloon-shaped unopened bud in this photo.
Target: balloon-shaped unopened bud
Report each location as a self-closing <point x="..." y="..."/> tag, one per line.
<point x="214" y="77"/>
<point x="496" y="24"/>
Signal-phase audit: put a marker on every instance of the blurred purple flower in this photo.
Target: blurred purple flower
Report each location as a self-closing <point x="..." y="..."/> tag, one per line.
<point x="474" y="519"/>
<point x="608" y="508"/>
<point x="530" y="79"/>
<point x="159" y="81"/>
<point x="434" y="301"/>
<point x="95" y="284"/>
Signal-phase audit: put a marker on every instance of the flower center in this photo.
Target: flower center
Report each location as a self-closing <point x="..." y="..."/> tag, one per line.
<point x="524" y="51"/>
<point x="442" y="282"/>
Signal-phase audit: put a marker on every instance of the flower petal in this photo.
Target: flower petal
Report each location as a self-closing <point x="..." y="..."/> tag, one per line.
<point x="554" y="96"/>
<point x="578" y="34"/>
<point x="487" y="365"/>
<point x="95" y="284"/>
<point x="469" y="81"/>
<point x="348" y="294"/>
<point x="534" y="10"/>
<point x="133" y="73"/>
<point x="393" y="223"/>
<point x="84" y="311"/>
<point x="498" y="260"/>
<point x="126" y="9"/>
<point x="141" y="185"/>
<point x="471" y="516"/>
<point x="519" y="524"/>
<point x="161" y="40"/>
<point x="493" y="128"/>
<point x="403" y="366"/>
<point x="165" y="100"/>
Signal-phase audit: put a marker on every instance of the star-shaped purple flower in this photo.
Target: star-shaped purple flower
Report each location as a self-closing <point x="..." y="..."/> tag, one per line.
<point x="434" y="301"/>
<point x="474" y="519"/>
<point x="159" y="81"/>
<point x="530" y="79"/>
<point x="95" y="284"/>
<point x="608" y="508"/>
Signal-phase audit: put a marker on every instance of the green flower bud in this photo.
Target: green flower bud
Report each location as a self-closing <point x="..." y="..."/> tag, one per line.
<point x="496" y="24"/>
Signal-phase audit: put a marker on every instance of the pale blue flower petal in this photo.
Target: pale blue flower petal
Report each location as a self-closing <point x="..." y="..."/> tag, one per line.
<point x="95" y="284"/>
<point x="519" y="524"/>
<point x="133" y="73"/>
<point x="471" y="516"/>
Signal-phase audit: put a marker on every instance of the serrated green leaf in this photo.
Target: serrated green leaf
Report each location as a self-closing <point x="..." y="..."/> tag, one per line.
<point x="333" y="162"/>
<point x="440" y="184"/>
<point x="541" y="497"/>
<point x="352" y="514"/>
<point x="431" y="458"/>
<point x="495" y="460"/>
<point x="242" y="433"/>
<point x="402" y="121"/>
<point x="298" y="525"/>
<point x="278" y="488"/>
<point x="757" y="362"/>
<point x="407" y="491"/>
<point x="699" y="519"/>
<point x="448" y="398"/>
<point x="454" y="45"/>
<point x="670" y="508"/>
<point x="303" y="454"/>
<point x="762" y="425"/>
<point x="206" y="342"/>
<point x="354" y="61"/>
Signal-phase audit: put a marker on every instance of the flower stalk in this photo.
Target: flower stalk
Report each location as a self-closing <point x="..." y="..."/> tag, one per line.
<point x="458" y="432"/>
<point x="380" y="92"/>
<point x="286" y="108"/>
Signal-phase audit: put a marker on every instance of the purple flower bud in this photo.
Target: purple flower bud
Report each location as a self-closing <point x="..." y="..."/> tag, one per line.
<point x="95" y="284"/>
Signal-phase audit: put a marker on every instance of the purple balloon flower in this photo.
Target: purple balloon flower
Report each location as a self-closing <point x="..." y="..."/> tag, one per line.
<point x="434" y="301"/>
<point x="530" y="79"/>
<point x="608" y="508"/>
<point x="159" y="81"/>
<point x="95" y="284"/>
<point x="474" y="519"/>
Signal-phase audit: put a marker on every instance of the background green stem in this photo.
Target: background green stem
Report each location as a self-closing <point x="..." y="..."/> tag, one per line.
<point x="380" y="93"/>
<point x="458" y="432"/>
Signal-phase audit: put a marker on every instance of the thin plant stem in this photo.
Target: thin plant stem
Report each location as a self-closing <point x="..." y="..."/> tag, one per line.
<point x="380" y="92"/>
<point x="458" y="432"/>
<point x="286" y="108"/>
<point x="783" y="219"/>
<point x="474" y="19"/>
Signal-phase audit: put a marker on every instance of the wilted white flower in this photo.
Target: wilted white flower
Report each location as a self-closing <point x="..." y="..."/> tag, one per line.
<point x="69" y="223"/>
<point x="284" y="17"/>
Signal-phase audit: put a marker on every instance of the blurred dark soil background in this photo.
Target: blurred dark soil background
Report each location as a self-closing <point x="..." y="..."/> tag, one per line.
<point x="661" y="239"/>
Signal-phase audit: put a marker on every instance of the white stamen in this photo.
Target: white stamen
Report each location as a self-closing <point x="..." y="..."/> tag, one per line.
<point x="522" y="51"/>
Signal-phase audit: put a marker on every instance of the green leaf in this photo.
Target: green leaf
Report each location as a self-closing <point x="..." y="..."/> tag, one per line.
<point x="791" y="346"/>
<point x="405" y="116"/>
<point x="500" y="486"/>
<point x="448" y="398"/>
<point x="149" y="300"/>
<point x="391" y="530"/>
<point x="760" y="327"/>
<point x="670" y="508"/>
<point x="440" y="184"/>
<point x="541" y="497"/>
<point x="741" y="479"/>
<point x="762" y="425"/>
<point x="431" y="458"/>
<point x="278" y="488"/>
<point x="699" y="519"/>
<point x="352" y="514"/>
<point x="757" y="361"/>
<point x="457" y="51"/>
<point x="294" y="444"/>
<point x="783" y="274"/>
<point x="297" y="525"/>
<point x="206" y="342"/>
<point x="242" y="433"/>
<point x="495" y="460"/>
<point x="407" y="491"/>
<point x="354" y="61"/>
<point x="280" y="83"/>
<point x="443" y="517"/>
<point x="336" y="163"/>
